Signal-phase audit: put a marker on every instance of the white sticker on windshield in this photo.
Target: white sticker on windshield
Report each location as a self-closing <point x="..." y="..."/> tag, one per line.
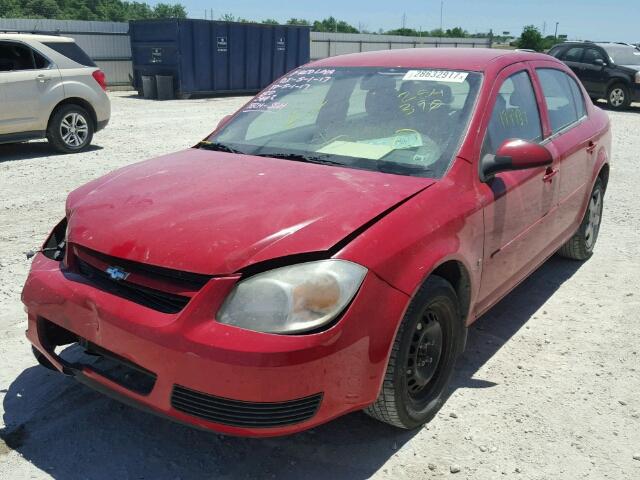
<point x="436" y="76"/>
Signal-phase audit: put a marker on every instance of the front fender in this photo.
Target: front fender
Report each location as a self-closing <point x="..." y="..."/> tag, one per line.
<point x="442" y="223"/>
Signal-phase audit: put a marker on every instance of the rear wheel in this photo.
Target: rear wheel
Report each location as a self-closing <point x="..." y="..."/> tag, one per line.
<point x="580" y="246"/>
<point x="70" y="129"/>
<point x="427" y="344"/>
<point x="618" y="96"/>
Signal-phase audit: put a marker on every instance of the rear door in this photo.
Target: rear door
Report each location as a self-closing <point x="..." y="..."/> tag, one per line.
<point x="518" y="212"/>
<point x="571" y="141"/>
<point x="26" y="77"/>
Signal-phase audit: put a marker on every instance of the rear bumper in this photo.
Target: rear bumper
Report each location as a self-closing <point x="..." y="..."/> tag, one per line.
<point x="344" y="364"/>
<point x="102" y="124"/>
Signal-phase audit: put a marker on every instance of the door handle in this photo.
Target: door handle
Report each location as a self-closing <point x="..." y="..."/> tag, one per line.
<point x="549" y="174"/>
<point x="42" y="78"/>
<point x="592" y="147"/>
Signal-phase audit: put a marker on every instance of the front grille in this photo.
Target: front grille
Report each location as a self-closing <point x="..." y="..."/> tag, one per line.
<point x="157" y="300"/>
<point x="244" y="414"/>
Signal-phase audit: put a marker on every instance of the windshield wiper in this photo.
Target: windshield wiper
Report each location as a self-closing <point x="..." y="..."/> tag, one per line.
<point x="297" y="157"/>
<point x="217" y="146"/>
<point x="388" y="167"/>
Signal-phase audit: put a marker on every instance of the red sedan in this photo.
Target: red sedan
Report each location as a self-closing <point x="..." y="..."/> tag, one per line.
<point x="326" y="248"/>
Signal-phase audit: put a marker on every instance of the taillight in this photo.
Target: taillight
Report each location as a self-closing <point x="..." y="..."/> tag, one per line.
<point x="100" y="77"/>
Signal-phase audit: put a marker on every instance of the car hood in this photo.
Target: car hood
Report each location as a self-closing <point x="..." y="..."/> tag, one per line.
<point x="634" y="68"/>
<point x="216" y="213"/>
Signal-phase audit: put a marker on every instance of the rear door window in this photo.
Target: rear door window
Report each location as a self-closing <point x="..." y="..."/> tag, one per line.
<point x="18" y="57"/>
<point x="573" y="54"/>
<point x="72" y="51"/>
<point x="515" y="114"/>
<point x="565" y="102"/>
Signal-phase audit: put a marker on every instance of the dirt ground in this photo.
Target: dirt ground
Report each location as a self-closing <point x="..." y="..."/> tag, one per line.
<point x="549" y="387"/>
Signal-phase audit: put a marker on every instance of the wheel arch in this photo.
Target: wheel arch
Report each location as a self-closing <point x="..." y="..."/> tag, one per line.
<point x="455" y="272"/>
<point x="615" y="80"/>
<point x="603" y="175"/>
<point x="81" y="102"/>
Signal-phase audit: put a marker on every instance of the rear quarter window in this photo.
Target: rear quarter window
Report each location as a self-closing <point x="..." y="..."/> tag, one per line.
<point x="72" y="51"/>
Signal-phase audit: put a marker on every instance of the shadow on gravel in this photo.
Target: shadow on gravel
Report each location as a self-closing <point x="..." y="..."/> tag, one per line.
<point x="491" y="331"/>
<point x="633" y="108"/>
<point x="71" y="432"/>
<point x="27" y="150"/>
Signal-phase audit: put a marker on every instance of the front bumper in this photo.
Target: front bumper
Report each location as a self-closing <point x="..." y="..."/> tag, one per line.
<point x="635" y="92"/>
<point x="343" y="365"/>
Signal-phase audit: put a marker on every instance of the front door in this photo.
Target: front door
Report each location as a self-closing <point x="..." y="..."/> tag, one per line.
<point x="25" y="77"/>
<point x="518" y="204"/>
<point x="594" y="72"/>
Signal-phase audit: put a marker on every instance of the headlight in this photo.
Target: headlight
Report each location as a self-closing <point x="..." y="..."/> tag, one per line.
<point x="637" y="77"/>
<point x="293" y="299"/>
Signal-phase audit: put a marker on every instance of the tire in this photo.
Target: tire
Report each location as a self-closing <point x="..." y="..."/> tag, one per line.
<point x="42" y="360"/>
<point x="70" y="129"/>
<point x="618" y="96"/>
<point x="580" y="246"/>
<point x="414" y="389"/>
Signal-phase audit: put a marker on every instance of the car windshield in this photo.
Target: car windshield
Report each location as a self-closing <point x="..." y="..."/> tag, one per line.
<point x="402" y="121"/>
<point x="624" y="55"/>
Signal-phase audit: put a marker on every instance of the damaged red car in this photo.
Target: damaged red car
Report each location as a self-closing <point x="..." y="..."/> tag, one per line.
<point x="326" y="248"/>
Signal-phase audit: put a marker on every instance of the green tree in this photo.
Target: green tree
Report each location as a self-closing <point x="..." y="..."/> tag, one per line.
<point x="406" y="32"/>
<point x="165" y="10"/>
<point x="331" y="24"/>
<point x="531" y="38"/>
<point x="456" y="32"/>
<point x="298" y="21"/>
<point x="10" y="8"/>
<point x="270" y="21"/>
<point x="41" y="9"/>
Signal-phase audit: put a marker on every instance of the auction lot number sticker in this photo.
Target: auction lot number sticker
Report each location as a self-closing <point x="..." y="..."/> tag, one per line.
<point x="436" y="75"/>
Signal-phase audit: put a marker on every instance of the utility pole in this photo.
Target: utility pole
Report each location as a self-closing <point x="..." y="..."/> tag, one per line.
<point x="404" y="21"/>
<point x="555" y="35"/>
<point x="441" y="9"/>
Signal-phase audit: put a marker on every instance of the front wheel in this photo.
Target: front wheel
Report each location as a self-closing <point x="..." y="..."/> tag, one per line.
<point x="70" y="129"/>
<point x="580" y="246"/>
<point x="618" y="97"/>
<point x="428" y="342"/>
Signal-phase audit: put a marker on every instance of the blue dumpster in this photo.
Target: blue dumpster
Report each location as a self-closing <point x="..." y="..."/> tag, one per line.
<point x="209" y="57"/>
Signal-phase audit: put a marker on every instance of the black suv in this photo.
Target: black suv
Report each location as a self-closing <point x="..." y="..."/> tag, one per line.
<point x="607" y="70"/>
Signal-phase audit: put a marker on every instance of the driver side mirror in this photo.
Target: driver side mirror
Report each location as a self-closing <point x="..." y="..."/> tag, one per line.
<point x="514" y="154"/>
<point x="599" y="62"/>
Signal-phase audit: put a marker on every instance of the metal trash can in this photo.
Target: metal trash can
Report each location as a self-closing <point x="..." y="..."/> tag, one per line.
<point x="149" y="90"/>
<point x="165" y="87"/>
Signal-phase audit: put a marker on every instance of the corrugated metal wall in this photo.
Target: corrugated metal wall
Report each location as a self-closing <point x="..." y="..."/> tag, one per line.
<point x="325" y="44"/>
<point x="108" y="42"/>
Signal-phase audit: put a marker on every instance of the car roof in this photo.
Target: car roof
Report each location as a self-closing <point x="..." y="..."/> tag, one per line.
<point x="471" y="59"/>
<point x="25" y="37"/>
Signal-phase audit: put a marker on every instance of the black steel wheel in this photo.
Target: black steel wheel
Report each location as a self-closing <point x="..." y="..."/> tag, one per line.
<point x="430" y="338"/>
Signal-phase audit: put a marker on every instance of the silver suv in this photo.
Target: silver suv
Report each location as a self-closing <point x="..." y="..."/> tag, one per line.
<point x="49" y="87"/>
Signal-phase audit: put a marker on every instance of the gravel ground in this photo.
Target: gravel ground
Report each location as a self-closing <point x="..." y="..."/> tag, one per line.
<point x="549" y="387"/>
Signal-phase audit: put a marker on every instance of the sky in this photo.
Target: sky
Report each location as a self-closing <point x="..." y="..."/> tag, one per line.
<point x="578" y="19"/>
